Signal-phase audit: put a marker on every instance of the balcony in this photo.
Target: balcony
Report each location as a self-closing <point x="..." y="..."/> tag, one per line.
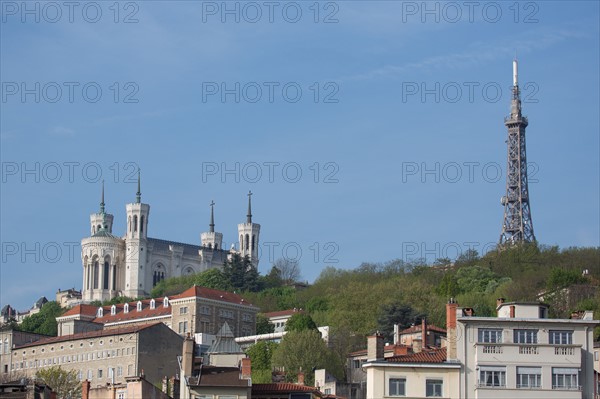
<point x="516" y="353"/>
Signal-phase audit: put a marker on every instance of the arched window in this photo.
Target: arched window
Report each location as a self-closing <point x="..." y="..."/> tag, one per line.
<point x="152" y="304"/>
<point x="247" y="242"/>
<point x="241" y="242"/>
<point x="113" y="310"/>
<point x="98" y="228"/>
<point x="158" y="275"/>
<point x="166" y="302"/>
<point x="135" y="223"/>
<point x="139" y="306"/>
<point x="216" y="246"/>
<point x="126" y="308"/>
<point x="106" y="274"/>
<point x="253" y="241"/>
<point x="209" y="245"/>
<point x="93" y="230"/>
<point x="100" y="312"/>
<point x="142" y="224"/>
<point x="129" y="222"/>
<point x="114" y="277"/>
<point x="96" y="273"/>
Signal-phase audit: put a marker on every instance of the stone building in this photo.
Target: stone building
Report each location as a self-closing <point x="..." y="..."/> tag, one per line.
<point x="8" y="339"/>
<point x="104" y="356"/>
<point x="196" y="310"/>
<point x="131" y="265"/>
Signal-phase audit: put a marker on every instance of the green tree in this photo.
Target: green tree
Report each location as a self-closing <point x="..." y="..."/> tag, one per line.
<point x="560" y="278"/>
<point x="64" y="383"/>
<point x="306" y="351"/>
<point x="300" y="322"/>
<point x="241" y="274"/>
<point x="396" y="313"/>
<point x="261" y="354"/>
<point x="212" y="278"/>
<point x="43" y="322"/>
<point x="263" y="325"/>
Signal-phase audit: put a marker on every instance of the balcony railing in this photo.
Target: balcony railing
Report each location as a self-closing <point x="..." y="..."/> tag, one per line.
<point x="492" y="349"/>
<point x="564" y="350"/>
<point x="528" y="350"/>
<point x="567" y="388"/>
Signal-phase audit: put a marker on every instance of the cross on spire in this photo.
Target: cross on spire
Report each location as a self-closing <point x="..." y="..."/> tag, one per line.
<point x="102" y="198"/>
<point x="249" y="215"/>
<point x="138" y="195"/>
<point x="212" y="217"/>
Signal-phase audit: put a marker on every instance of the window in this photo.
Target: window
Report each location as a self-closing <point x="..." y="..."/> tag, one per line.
<point x="183" y="310"/>
<point x="139" y="306"/>
<point x="490" y="376"/>
<point x="166" y="302"/>
<point x="152" y="304"/>
<point x="228" y="314"/>
<point x="119" y="371"/>
<point x="90" y="374"/>
<point x="113" y="310"/>
<point x="182" y="327"/>
<point x="246" y="317"/>
<point x="100" y="312"/>
<point x="489" y="335"/>
<point x="80" y="375"/>
<point x="204" y="310"/>
<point x="126" y="308"/>
<point x="561" y="337"/>
<point x="397" y="386"/>
<point x="99" y="373"/>
<point x="433" y="388"/>
<point x="525" y="336"/>
<point x="121" y="395"/>
<point x="565" y="378"/>
<point x="529" y="377"/>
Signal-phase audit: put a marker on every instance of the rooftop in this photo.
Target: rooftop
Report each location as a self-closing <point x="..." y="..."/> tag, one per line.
<point x="92" y="334"/>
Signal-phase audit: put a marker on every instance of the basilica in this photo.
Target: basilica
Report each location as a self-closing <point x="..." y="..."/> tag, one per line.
<point x="131" y="265"/>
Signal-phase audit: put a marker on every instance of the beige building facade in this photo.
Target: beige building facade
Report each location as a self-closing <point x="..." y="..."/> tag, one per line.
<point x="105" y="356"/>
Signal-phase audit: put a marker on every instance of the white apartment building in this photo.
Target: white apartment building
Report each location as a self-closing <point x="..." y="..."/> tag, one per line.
<point x="522" y="353"/>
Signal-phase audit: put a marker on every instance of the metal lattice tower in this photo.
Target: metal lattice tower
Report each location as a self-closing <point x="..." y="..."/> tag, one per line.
<point x="517" y="226"/>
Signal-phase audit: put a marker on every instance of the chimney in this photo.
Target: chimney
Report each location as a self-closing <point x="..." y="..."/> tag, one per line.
<point x="246" y="368"/>
<point x="499" y="301"/>
<point x="512" y="311"/>
<point x="300" y="378"/>
<point x="400" y="350"/>
<point x="417" y="345"/>
<point x="85" y="389"/>
<point x="375" y="347"/>
<point x="451" y="308"/>
<point x="187" y="361"/>
<point x="424" y="333"/>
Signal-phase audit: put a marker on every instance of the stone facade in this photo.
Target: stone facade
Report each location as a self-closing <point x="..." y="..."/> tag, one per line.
<point x="133" y="264"/>
<point x="196" y="310"/>
<point x="104" y="356"/>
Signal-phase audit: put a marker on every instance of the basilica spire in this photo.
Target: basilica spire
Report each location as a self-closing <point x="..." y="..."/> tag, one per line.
<point x="102" y="209"/>
<point x="249" y="215"/>
<point x="212" y="217"/>
<point x="138" y="195"/>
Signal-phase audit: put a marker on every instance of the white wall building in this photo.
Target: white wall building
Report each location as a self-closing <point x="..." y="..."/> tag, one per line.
<point x="521" y="353"/>
<point x="131" y="265"/>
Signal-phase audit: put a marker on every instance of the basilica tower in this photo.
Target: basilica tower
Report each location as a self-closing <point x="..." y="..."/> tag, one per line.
<point x="212" y="239"/>
<point x="248" y="233"/>
<point x="136" y="240"/>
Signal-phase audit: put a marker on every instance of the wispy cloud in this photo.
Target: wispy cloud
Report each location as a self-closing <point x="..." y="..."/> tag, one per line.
<point x="478" y="54"/>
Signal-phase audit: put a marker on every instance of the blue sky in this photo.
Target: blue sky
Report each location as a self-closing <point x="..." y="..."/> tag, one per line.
<point x="397" y="131"/>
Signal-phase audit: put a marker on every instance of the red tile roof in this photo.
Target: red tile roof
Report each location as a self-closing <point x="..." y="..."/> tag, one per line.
<point x="417" y="328"/>
<point x="426" y="356"/>
<point x="387" y="348"/>
<point x="91" y="334"/>
<point x="283" y="387"/>
<point x="158" y="311"/>
<point x="88" y="310"/>
<point x="209" y="293"/>
<point x="280" y="313"/>
<point x="133" y="314"/>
